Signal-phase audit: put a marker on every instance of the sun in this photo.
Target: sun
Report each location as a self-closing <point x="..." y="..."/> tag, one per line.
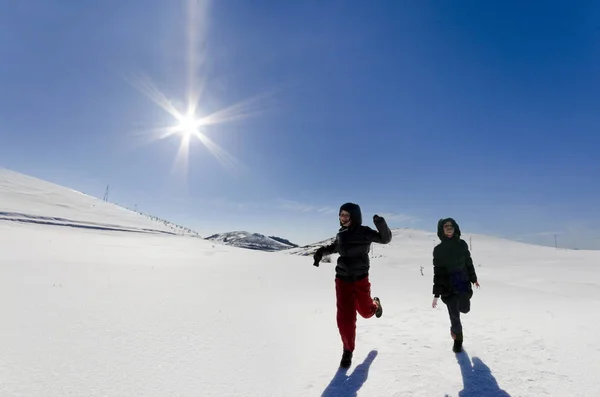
<point x="188" y="126"/>
<point x="192" y="121"/>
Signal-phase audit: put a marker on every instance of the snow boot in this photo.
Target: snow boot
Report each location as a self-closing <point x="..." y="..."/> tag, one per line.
<point x="346" y="359"/>
<point x="458" y="341"/>
<point x="379" y="310"/>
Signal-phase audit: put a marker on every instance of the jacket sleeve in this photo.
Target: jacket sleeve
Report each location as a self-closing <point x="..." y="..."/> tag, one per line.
<point x="439" y="273"/>
<point x="383" y="235"/>
<point x="330" y="249"/>
<point x="469" y="263"/>
<point x="325" y="250"/>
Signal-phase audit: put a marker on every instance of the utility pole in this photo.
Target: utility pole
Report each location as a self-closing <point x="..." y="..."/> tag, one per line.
<point x="106" y="194"/>
<point x="555" y="242"/>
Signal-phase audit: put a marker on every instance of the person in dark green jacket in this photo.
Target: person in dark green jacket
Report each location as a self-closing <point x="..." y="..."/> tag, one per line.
<point x="453" y="274"/>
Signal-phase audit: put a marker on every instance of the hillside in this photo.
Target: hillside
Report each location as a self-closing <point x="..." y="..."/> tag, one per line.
<point x="407" y="234"/>
<point x="98" y="312"/>
<point x="308" y="250"/>
<point x="284" y="241"/>
<point x="248" y="240"/>
<point x="26" y="199"/>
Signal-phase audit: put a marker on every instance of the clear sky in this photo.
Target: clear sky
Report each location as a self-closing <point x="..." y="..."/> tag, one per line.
<point x="484" y="111"/>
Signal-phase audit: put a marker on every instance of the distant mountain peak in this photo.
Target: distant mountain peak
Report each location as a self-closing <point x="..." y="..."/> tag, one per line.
<point x="284" y="241"/>
<point x="254" y="241"/>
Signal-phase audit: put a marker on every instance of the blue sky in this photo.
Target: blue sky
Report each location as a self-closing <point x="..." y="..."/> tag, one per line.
<point x="487" y="111"/>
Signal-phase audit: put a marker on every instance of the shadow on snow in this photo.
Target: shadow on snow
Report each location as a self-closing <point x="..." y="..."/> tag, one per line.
<point x="477" y="378"/>
<point x="344" y="385"/>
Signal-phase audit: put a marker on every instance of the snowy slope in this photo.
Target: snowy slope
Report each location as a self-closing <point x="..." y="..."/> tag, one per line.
<point x="88" y="312"/>
<point x="27" y="199"/>
<point x="309" y="250"/>
<point x="255" y="241"/>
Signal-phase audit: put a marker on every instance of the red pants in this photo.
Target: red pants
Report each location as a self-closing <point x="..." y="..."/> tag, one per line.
<point x="352" y="297"/>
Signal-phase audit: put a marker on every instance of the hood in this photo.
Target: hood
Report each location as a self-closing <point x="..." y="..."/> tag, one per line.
<point x="440" y="228"/>
<point x="355" y="214"/>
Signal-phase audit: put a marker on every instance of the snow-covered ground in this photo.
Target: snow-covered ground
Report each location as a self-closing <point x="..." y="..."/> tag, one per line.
<point x="30" y="200"/>
<point x="92" y="312"/>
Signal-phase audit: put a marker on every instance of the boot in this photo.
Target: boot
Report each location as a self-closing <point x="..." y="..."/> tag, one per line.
<point x="458" y="341"/>
<point x="346" y="359"/>
<point x="379" y="310"/>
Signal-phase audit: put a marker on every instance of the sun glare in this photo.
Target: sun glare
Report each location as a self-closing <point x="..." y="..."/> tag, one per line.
<point x="187" y="125"/>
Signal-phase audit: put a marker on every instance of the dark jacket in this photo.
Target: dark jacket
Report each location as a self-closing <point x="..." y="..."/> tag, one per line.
<point x="453" y="270"/>
<point x="354" y="243"/>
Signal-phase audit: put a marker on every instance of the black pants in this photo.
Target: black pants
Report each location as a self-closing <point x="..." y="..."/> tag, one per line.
<point x="456" y="304"/>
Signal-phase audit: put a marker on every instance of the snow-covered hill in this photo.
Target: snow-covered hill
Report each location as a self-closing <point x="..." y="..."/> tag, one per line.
<point x="98" y="312"/>
<point x="309" y="250"/>
<point x="254" y="241"/>
<point x="423" y="240"/>
<point x="27" y="199"/>
<point x="284" y="241"/>
<point x="407" y="234"/>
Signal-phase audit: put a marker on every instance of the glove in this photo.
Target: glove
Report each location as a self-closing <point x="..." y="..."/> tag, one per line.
<point x="318" y="256"/>
<point x="434" y="303"/>
<point x="377" y="218"/>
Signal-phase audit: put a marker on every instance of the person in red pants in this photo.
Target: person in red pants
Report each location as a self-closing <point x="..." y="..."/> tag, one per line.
<point x="352" y="286"/>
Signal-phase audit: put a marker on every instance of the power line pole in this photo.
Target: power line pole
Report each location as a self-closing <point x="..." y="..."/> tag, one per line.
<point x="106" y="194"/>
<point x="555" y="241"/>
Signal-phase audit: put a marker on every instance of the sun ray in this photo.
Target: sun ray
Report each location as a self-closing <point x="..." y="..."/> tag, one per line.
<point x="181" y="160"/>
<point x="227" y="160"/>
<point x="239" y="111"/>
<point x="191" y="120"/>
<point x="197" y="19"/>
<point x="144" y="84"/>
<point x="147" y="136"/>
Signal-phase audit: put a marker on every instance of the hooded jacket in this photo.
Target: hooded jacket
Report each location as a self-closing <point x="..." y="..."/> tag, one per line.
<point x="353" y="244"/>
<point x="453" y="270"/>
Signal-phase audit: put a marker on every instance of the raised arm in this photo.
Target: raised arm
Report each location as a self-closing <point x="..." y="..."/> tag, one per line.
<point x="383" y="235"/>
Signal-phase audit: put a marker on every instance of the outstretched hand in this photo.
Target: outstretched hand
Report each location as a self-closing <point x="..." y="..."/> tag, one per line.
<point x="318" y="256"/>
<point x="376" y="218"/>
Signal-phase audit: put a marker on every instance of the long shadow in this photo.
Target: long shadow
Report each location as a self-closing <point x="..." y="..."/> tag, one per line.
<point x="344" y="385"/>
<point x="478" y="380"/>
